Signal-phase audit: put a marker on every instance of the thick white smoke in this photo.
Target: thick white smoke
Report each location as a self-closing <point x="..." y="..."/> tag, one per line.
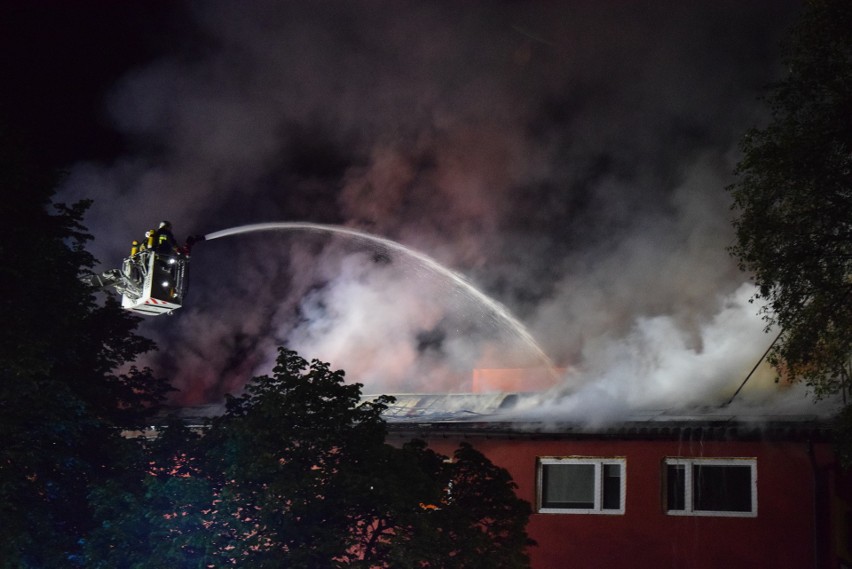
<point x="658" y="364"/>
<point x="570" y="159"/>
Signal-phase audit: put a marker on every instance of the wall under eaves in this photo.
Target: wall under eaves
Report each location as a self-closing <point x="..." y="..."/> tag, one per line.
<point x="801" y="500"/>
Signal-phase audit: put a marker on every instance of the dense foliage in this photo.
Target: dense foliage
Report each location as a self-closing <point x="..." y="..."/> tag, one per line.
<point x="793" y="201"/>
<point x="296" y="473"/>
<point x="66" y="390"/>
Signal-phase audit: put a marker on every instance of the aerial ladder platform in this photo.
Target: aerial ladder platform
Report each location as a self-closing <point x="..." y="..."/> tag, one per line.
<point x="148" y="281"/>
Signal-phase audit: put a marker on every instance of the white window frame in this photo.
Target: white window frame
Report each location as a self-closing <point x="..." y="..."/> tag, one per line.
<point x="689" y="509"/>
<point x="598" y="463"/>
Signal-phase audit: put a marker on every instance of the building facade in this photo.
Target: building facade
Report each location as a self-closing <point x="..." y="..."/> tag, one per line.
<point x="702" y="491"/>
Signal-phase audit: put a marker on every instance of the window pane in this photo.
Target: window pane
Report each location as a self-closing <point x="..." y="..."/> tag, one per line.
<point x="675" y="487"/>
<point x="568" y="486"/>
<point x="611" y="487"/>
<point x="721" y="488"/>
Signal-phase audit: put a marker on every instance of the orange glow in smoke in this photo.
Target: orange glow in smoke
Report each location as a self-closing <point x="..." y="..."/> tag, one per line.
<point x="514" y="380"/>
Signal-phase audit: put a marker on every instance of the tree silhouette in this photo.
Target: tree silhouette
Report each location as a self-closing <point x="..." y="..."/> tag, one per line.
<point x="793" y="201"/>
<point x="296" y="473"/>
<point x="63" y="399"/>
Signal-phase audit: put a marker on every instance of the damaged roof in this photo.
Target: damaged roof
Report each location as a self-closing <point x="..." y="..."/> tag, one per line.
<point x="502" y="414"/>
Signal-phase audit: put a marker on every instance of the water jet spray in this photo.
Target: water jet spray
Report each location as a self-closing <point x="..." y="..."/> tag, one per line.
<point x="500" y="311"/>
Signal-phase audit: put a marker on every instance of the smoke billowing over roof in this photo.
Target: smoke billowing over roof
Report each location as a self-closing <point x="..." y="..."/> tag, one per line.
<point x="569" y="159"/>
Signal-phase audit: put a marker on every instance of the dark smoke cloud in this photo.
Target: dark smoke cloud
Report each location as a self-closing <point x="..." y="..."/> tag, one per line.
<point x="568" y="158"/>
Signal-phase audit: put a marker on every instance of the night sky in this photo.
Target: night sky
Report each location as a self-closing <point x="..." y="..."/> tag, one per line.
<point x="569" y="159"/>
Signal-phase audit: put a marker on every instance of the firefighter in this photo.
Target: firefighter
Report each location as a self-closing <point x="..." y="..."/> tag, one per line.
<point x="134" y="248"/>
<point x="166" y="243"/>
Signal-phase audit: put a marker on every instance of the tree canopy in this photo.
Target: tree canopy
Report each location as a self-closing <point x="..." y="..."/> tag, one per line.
<point x="67" y="384"/>
<point x="793" y="202"/>
<point x="296" y="473"/>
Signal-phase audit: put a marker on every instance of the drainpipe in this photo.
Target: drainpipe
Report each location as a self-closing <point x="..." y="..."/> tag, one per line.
<point x="817" y="491"/>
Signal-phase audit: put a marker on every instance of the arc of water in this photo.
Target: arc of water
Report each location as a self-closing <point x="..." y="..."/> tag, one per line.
<point x="501" y="311"/>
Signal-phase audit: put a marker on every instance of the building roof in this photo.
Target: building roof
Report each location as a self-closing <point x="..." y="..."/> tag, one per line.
<point x="504" y="415"/>
<point x="494" y="414"/>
